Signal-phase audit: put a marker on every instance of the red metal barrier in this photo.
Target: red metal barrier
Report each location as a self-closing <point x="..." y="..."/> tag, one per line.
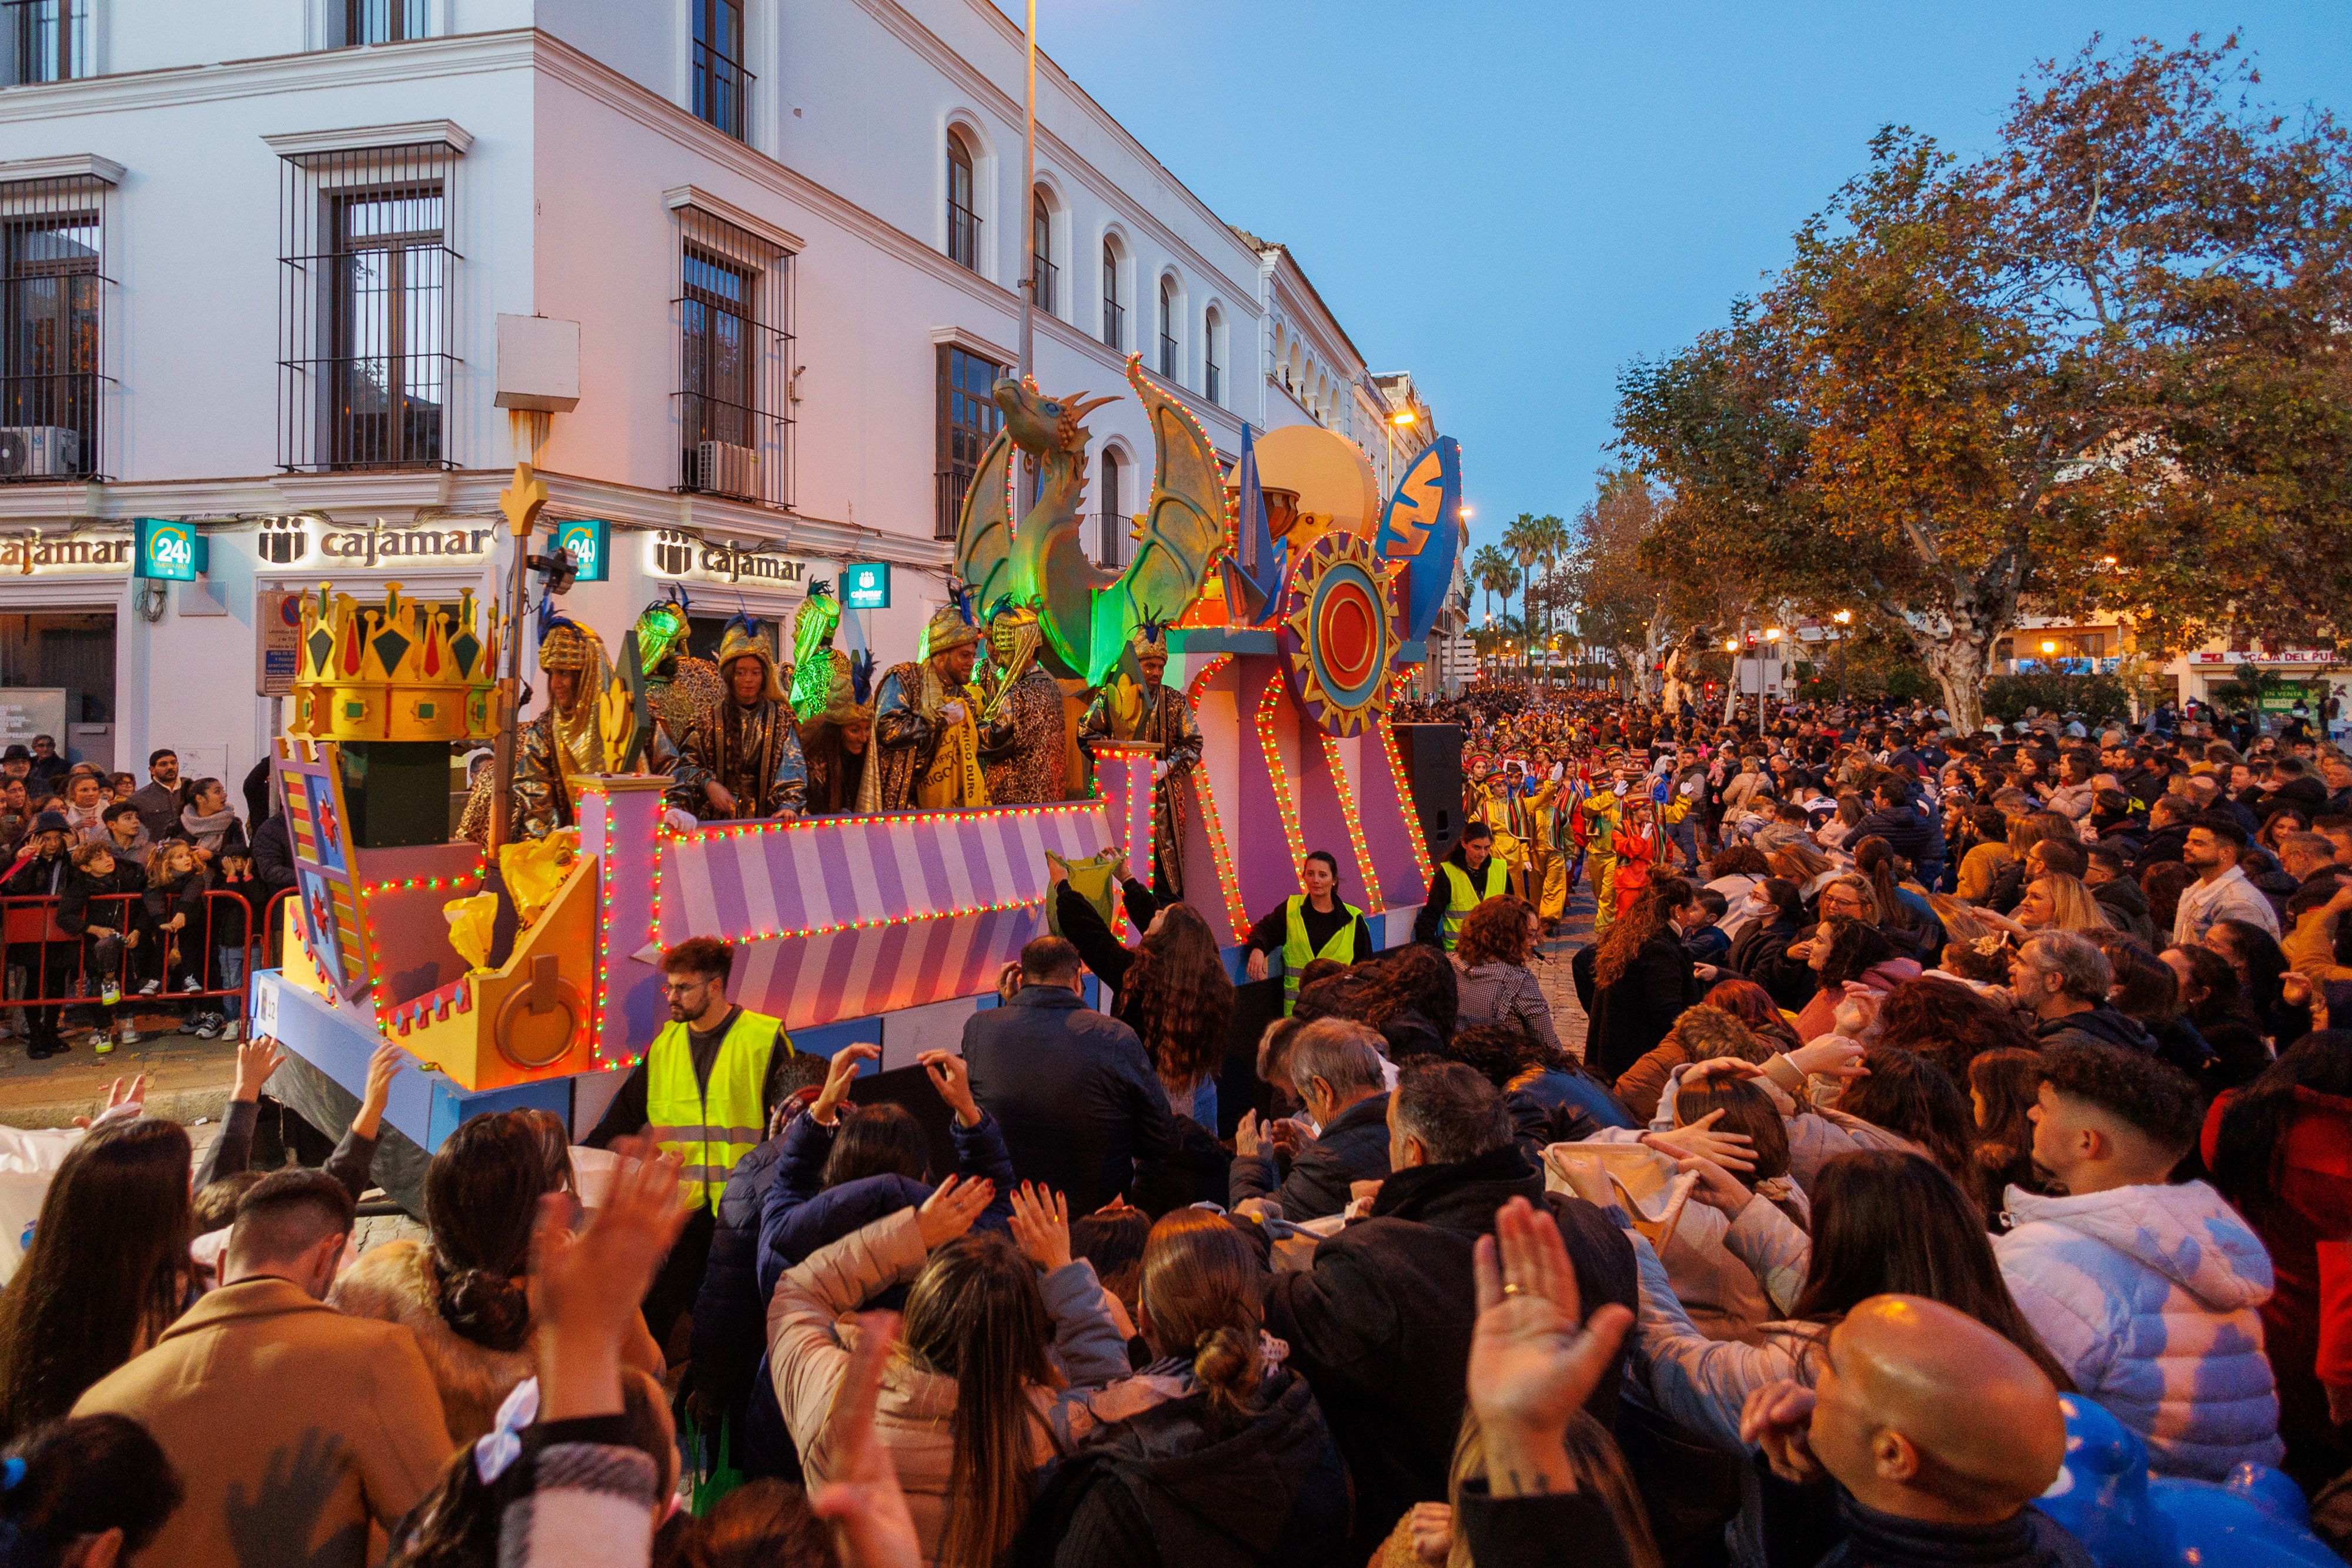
<point x="55" y="965"/>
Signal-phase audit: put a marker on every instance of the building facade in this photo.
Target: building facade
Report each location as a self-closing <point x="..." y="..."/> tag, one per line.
<point x="258" y="258"/>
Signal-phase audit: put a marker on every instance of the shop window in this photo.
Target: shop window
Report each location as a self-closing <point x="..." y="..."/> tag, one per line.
<point x="52" y="294"/>
<point x="734" y="408"/>
<point x="968" y="419"/>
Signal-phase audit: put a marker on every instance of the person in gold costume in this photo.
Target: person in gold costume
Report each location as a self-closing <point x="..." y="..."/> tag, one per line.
<point x="557" y="747"/>
<point x="742" y="758"/>
<point x="1159" y="712"/>
<point x="679" y="687"/>
<point x="926" y="726"/>
<point x="1023" y="744"/>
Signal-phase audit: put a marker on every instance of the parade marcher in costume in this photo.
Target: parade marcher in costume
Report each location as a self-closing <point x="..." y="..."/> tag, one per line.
<point x="1524" y="802"/>
<point x="815" y="662"/>
<point x="1024" y="745"/>
<point x="557" y="747"/>
<point x="837" y="743"/>
<point x="1492" y="806"/>
<point x="679" y="687"/>
<point x="1463" y="880"/>
<point x="742" y="758"/>
<point x="1597" y="818"/>
<point x="1309" y="926"/>
<point x="926" y="726"/>
<point x="1153" y="712"/>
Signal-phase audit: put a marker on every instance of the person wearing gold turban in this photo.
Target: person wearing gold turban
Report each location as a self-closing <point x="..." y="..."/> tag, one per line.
<point x="742" y="758"/>
<point x="1158" y="714"/>
<point x="926" y="729"/>
<point x="838" y="742"/>
<point x="559" y="746"/>
<point x="1023" y="746"/>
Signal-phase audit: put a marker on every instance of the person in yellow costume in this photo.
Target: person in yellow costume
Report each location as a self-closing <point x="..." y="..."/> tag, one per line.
<point x="926" y="726"/>
<point x="1492" y="805"/>
<point x="1548" y="877"/>
<point x="1596" y="824"/>
<point x="707" y="1091"/>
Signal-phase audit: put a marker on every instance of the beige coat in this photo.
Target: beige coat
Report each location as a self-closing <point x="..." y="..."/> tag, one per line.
<point x="389" y="1285"/>
<point x="914" y="1415"/>
<point x="292" y="1426"/>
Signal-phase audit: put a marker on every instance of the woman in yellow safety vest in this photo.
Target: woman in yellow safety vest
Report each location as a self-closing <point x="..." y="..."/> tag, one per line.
<point x="1463" y="881"/>
<point x="1309" y="926"/>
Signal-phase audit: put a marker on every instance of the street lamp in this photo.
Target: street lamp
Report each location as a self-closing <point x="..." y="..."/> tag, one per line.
<point x="1029" y="191"/>
<point x="1844" y="618"/>
<point x="1772" y="635"/>
<point x="1406" y="416"/>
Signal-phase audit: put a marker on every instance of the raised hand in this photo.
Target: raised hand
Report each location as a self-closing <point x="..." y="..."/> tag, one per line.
<point x="1699" y="1140"/>
<point x="872" y="1528"/>
<point x="1041" y="1226"/>
<point x="949" y="1212"/>
<point x="257" y="1059"/>
<point x="384" y="1065"/>
<point x="1717" y="1188"/>
<point x="1246" y="1141"/>
<point x="1831" y="1056"/>
<point x="123" y="1103"/>
<point x="1534" y="1360"/>
<point x="1777" y="1418"/>
<point x="952" y="1076"/>
<point x="839" y="1074"/>
<point x="586" y="1288"/>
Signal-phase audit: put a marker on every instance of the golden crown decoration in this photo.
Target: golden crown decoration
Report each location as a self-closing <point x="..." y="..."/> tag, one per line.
<point x="402" y="670"/>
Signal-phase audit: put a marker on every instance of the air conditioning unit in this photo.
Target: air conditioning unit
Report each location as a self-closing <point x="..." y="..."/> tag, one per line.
<point x="40" y="451"/>
<point x="723" y="468"/>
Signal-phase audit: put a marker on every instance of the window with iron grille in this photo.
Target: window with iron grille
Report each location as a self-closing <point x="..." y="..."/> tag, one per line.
<point x="735" y="338"/>
<point x="1041" y="229"/>
<point x="1111" y="542"/>
<point x="52" y="296"/>
<point x="969" y="418"/>
<point x="963" y="219"/>
<point x="1168" y="329"/>
<point x="1113" y="308"/>
<point x="722" y="87"/>
<point x="45" y="40"/>
<point x="379" y="21"/>
<point x="367" y="258"/>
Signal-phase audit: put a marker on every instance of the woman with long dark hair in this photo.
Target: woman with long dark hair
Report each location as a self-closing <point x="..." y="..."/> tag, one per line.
<point x="1908" y="919"/>
<point x="1412" y="997"/>
<point x="1643" y="979"/>
<point x="2213" y="999"/>
<point x="1216" y="1451"/>
<point x="1950" y="1025"/>
<point x="462" y="1292"/>
<point x="1906" y="1094"/>
<point x="972" y="1406"/>
<point x="106" y="1272"/>
<point x="1882" y="1223"/>
<point x="2280" y="1149"/>
<point x="2254" y="956"/>
<point x="1172" y="987"/>
<point x="2002" y="1087"/>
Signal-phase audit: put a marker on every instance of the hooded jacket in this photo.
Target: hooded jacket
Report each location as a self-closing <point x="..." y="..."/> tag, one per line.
<point x="2149" y="1296"/>
<point x="2127" y="905"/>
<point x="1173" y="1486"/>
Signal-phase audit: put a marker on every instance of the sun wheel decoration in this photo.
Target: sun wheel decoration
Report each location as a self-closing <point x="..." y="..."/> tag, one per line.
<point x="1340" y="633"/>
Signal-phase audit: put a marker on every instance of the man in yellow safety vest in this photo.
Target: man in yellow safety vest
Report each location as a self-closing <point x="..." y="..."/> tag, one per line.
<point x="1463" y="881"/>
<point x="1309" y="926"/>
<point x="704" y="1092"/>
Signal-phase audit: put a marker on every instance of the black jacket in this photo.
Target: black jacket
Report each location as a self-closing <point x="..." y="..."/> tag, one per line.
<point x="75" y="913"/>
<point x="2127" y="905"/>
<point x="1631" y="1017"/>
<point x="1380" y="1324"/>
<point x="2029" y="1539"/>
<point x="273" y="857"/>
<point x="1353" y="1148"/>
<point x="1761" y="955"/>
<point x="1077" y="1100"/>
<point x="1532" y="1531"/>
<point x="2162" y="845"/>
<point x="730" y="1314"/>
<point x="2102" y="1025"/>
<point x="1175" y="1486"/>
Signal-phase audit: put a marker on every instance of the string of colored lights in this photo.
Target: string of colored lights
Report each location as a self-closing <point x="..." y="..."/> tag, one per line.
<point x="422" y="884"/>
<point x="1228" y="882"/>
<point x="1272" y="749"/>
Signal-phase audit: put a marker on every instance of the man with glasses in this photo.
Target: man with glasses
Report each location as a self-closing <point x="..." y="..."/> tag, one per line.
<point x="706" y="1091"/>
<point x="48" y="771"/>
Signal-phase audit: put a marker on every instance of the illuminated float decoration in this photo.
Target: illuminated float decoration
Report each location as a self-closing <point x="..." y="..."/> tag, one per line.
<point x="1295" y="603"/>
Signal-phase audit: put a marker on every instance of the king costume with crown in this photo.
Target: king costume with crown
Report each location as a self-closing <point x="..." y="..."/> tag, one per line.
<point x="741" y="757"/>
<point x="1154" y="713"/>
<point x="1023" y="746"/>
<point x="926" y="726"/>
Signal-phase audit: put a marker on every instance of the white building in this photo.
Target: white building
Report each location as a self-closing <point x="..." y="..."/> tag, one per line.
<point x="256" y="257"/>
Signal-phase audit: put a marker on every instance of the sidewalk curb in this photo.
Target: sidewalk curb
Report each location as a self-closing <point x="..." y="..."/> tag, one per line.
<point x="184" y="1105"/>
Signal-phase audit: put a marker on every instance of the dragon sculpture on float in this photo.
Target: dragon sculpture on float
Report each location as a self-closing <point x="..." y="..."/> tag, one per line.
<point x="1086" y="612"/>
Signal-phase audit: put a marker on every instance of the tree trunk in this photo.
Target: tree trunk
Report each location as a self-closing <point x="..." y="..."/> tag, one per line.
<point x="1959" y="660"/>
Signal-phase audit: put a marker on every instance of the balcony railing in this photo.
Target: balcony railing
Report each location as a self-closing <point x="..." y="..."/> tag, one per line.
<point x="723" y="92"/>
<point x="1114" y="323"/>
<point x="951" y="485"/>
<point x="1049" y="285"/>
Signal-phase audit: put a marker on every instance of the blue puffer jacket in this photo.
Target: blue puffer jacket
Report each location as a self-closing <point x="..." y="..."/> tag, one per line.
<point x="730" y="1315"/>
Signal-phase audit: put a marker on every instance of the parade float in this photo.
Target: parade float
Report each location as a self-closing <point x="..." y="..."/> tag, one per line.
<point x="1293" y="602"/>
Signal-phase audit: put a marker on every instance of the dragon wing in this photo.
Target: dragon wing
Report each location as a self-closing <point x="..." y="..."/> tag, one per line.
<point x="983" y="550"/>
<point x="1185" y="530"/>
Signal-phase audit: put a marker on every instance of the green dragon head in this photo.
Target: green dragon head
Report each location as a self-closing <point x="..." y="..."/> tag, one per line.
<point x="1039" y="423"/>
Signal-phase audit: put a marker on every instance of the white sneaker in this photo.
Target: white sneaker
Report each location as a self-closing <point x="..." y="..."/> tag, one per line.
<point x="109" y="993"/>
<point x="205" y="1028"/>
<point x="232" y="1031"/>
<point x="126" y="1035"/>
<point x="151" y="987"/>
<point x="192" y="984"/>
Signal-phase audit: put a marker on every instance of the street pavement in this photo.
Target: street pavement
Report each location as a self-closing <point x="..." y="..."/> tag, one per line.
<point x="188" y="1078"/>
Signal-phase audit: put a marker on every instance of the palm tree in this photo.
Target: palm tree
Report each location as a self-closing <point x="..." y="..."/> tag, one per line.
<point x="1524" y="537"/>
<point x="1491" y="569"/>
<point x="1552" y="535"/>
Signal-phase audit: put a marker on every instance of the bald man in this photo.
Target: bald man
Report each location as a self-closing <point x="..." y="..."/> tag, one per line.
<point x="1938" y="1432"/>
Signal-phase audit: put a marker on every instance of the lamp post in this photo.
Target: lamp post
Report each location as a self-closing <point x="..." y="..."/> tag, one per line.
<point x="1772" y="637"/>
<point x="1844" y="618"/>
<point x="1731" y="646"/>
<point x="1029" y="189"/>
